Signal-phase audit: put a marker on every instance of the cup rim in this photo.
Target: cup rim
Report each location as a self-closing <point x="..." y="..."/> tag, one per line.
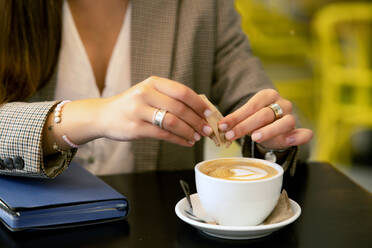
<point x="272" y="164"/>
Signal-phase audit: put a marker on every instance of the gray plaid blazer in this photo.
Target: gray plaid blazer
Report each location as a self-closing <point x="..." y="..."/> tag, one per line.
<point x="196" y="42"/>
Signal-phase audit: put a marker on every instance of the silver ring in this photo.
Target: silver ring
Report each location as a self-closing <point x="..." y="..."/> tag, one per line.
<point x="158" y="117"/>
<point x="278" y="111"/>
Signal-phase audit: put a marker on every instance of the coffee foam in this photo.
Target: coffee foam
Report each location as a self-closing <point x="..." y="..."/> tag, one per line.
<point x="248" y="172"/>
<point x="237" y="170"/>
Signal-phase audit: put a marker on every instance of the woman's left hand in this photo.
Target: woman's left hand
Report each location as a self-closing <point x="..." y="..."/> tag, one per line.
<point x="257" y="119"/>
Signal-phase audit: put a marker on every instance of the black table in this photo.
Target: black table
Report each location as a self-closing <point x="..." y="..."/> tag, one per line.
<point x="335" y="213"/>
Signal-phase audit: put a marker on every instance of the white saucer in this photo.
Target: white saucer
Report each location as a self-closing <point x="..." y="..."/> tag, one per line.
<point x="231" y="232"/>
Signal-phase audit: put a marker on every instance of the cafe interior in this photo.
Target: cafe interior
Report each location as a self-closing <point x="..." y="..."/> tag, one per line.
<point x="318" y="54"/>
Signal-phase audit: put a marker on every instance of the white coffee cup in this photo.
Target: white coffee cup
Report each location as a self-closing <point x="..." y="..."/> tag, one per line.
<point x="238" y="203"/>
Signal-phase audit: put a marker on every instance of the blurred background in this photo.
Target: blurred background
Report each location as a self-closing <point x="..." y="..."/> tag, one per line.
<point x="319" y="55"/>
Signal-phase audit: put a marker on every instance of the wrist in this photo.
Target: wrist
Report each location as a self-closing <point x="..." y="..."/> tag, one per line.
<point x="100" y="107"/>
<point x="79" y="120"/>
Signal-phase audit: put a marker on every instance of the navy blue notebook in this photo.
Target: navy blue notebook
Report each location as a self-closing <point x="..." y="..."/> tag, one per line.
<point x="76" y="197"/>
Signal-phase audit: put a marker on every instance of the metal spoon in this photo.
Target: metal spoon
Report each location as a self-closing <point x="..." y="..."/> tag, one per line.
<point x="194" y="217"/>
<point x="190" y="213"/>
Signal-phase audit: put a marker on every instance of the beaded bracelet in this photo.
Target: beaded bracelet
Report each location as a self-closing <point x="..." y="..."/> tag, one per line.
<point x="57" y="111"/>
<point x="58" y="118"/>
<point x="69" y="142"/>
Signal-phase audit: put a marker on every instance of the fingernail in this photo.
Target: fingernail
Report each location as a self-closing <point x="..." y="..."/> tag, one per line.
<point x="230" y="134"/>
<point x="207" y="130"/>
<point x="223" y="127"/>
<point x="207" y="113"/>
<point x="196" y="137"/>
<point x="191" y="142"/>
<point x="291" y="140"/>
<point x="256" y="136"/>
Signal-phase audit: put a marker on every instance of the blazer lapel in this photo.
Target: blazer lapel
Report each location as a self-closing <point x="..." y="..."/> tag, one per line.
<point x="152" y="42"/>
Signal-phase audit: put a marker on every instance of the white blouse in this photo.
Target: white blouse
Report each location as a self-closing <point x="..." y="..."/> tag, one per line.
<point x="75" y="80"/>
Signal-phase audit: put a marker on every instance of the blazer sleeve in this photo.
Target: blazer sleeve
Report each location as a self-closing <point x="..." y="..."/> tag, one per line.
<point x="238" y="75"/>
<point x="21" y="154"/>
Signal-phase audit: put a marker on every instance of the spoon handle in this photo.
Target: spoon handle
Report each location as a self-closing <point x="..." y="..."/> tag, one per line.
<point x="194" y="217"/>
<point x="186" y="189"/>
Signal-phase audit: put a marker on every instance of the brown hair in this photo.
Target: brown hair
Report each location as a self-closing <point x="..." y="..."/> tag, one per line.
<point x="30" y="38"/>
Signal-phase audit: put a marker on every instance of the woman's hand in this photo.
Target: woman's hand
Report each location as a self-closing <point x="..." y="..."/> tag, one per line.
<point x="128" y="116"/>
<point x="255" y="118"/>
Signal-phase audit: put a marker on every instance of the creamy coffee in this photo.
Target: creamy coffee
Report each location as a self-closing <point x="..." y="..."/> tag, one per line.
<point x="237" y="170"/>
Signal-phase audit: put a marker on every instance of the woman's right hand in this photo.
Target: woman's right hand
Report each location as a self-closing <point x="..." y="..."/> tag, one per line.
<point x="128" y="116"/>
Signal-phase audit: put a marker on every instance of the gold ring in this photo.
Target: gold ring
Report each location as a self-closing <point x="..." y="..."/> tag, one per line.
<point x="278" y="111"/>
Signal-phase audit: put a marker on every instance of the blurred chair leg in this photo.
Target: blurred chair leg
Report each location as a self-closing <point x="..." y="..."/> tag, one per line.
<point x="325" y="140"/>
<point x="333" y="140"/>
<point x="343" y="145"/>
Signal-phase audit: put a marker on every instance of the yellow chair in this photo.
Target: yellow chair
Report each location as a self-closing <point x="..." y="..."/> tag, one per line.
<point x="344" y="51"/>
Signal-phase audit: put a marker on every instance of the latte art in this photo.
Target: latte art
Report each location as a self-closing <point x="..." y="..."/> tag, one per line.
<point x="238" y="170"/>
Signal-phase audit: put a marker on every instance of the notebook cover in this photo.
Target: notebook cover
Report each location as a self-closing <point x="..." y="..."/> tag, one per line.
<point x="74" y="196"/>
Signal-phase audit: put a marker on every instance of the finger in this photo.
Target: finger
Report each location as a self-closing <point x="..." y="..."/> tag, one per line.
<point x="259" y="119"/>
<point x="180" y="92"/>
<point x="278" y="127"/>
<point x="175" y="125"/>
<point x="150" y="131"/>
<point x="172" y="124"/>
<point x="179" y="109"/>
<point x="295" y="137"/>
<point x="260" y="100"/>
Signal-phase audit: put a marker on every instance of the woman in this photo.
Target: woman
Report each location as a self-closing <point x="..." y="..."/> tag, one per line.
<point x="103" y="58"/>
